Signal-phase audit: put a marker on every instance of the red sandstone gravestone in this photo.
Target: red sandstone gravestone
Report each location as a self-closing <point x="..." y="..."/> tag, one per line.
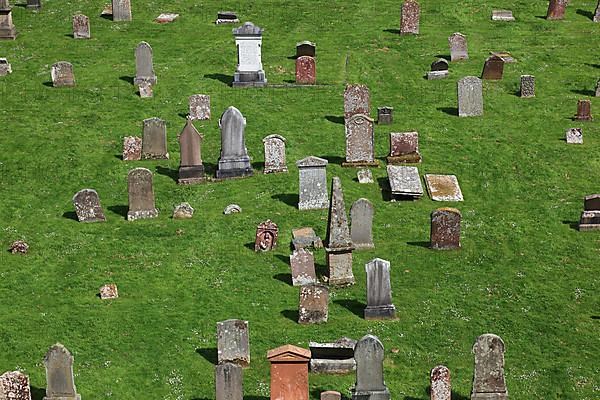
<point x="289" y="372"/>
<point x="306" y="70"/>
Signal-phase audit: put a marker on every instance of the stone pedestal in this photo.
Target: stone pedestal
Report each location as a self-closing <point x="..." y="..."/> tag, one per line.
<point x="289" y="372"/>
<point x="7" y="28"/>
<point x="249" y="72"/>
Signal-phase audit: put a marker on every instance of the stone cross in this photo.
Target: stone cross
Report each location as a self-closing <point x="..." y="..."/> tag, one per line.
<point x="306" y="48"/>
<point x="266" y="236"/>
<point x="191" y="169"/>
<point x="306" y="70"/>
<point x="7" y="27"/>
<point x="249" y="71"/>
<point x="441" y="388"/>
<point x="233" y="342"/>
<point x="584" y="110"/>
<point x="313" y="183"/>
<point x="356" y="101"/>
<point x="87" y="206"/>
<point x="597" y="13"/>
<point x="302" y="264"/>
<point x="527" y="86"/>
<point x="60" y="384"/>
<point x="369" y="355"/>
<point x="274" y="154"/>
<point x="361" y="215"/>
<point x="132" y="148"/>
<point x="141" y="195"/>
<point x="360" y="141"/>
<point x="313" y="306"/>
<point x="488" y="375"/>
<point x="289" y="372"/>
<point x="458" y="47"/>
<point x="493" y="68"/>
<point x="62" y="74"/>
<point x="556" y="9"/>
<point x="445" y="229"/>
<point x="144" y="68"/>
<point x="234" y="161"/>
<point x="470" y="97"/>
<point x="199" y="107"/>
<point x="229" y="382"/>
<point x="385" y="115"/>
<point x="121" y="10"/>
<point x="154" y="139"/>
<point x="409" y="20"/>
<point x="14" y="386"/>
<point x="339" y="243"/>
<point x="81" y="27"/>
<point x="404" y="148"/>
<point x="379" y="290"/>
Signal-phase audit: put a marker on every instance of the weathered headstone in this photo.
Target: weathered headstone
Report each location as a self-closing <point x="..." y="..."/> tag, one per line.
<point x="14" y="386"/>
<point x="405" y="182"/>
<point x="109" y="292"/>
<point x="144" y="68"/>
<point x="183" y="211"/>
<point x="302" y="264"/>
<point x="87" y="206"/>
<point x="574" y="136"/>
<point x="331" y="395"/>
<point x="154" y="139"/>
<point x="132" y="148"/>
<point x="488" y="375"/>
<point x="584" y="110"/>
<point x="227" y="17"/>
<point x="306" y="48"/>
<point x="7" y="27"/>
<point x="361" y="215"/>
<point x="313" y="306"/>
<point x="233" y="342"/>
<point x="339" y="243"/>
<point x="379" y="290"/>
<point x="356" y="101"/>
<point x="60" y="384"/>
<point x="234" y="161"/>
<point x="229" y="382"/>
<point x="34" y="4"/>
<point x="590" y="217"/>
<point x="289" y="372"/>
<point x="360" y="141"/>
<point x="445" y="229"/>
<point x="274" y="154"/>
<point x="458" y="47"/>
<point x="439" y="69"/>
<point x="232" y="209"/>
<point x="121" y="10"/>
<point x="166" y="18"/>
<point x="493" y="68"/>
<point x="527" y="86"/>
<point x="249" y="71"/>
<point x="62" y="74"/>
<point x="141" y="195"/>
<point x="305" y="237"/>
<point x="598" y="88"/>
<point x="306" y="70"/>
<point x="597" y="13"/>
<point x="81" y="27"/>
<point x="199" y="107"/>
<point x="191" y="168"/>
<point x="443" y="187"/>
<point x="409" y="21"/>
<point x="556" y="9"/>
<point x="502" y="15"/>
<point x="385" y="115"/>
<point x="145" y="89"/>
<point x="470" y="97"/>
<point x="404" y="148"/>
<point x="369" y="355"/>
<point x="5" y="67"/>
<point x="364" y="175"/>
<point x="441" y="388"/>
<point x="266" y="236"/>
<point x="313" y="183"/>
<point x="333" y="358"/>
<point x="19" y="247"/>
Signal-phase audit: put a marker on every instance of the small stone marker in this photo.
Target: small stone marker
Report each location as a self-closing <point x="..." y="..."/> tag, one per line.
<point x="333" y="358"/>
<point x="493" y="68"/>
<point x="81" y="27"/>
<point x="191" y="168"/>
<point x="19" y="247"/>
<point x="439" y="69"/>
<point x="60" y="384"/>
<point x="5" y="67"/>
<point x="369" y="355"/>
<point x="141" y="195"/>
<point x="361" y="214"/>
<point x="331" y="395"/>
<point x="306" y="48"/>
<point x="339" y="243"/>
<point x="227" y="17"/>
<point x="154" y="139"/>
<point x="364" y="175"/>
<point x="145" y="89"/>
<point x="488" y="375"/>
<point x="458" y="47"/>
<point x="266" y="236"/>
<point x="470" y="97"/>
<point x="445" y="229"/>
<point x="574" y="136"/>
<point x="34" y="4"/>
<point x="121" y="10"/>
<point x="109" y="291"/>
<point x="302" y="263"/>
<point x="305" y="237"/>
<point x="306" y="70"/>
<point x="360" y="141"/>
<point x="7" y="27"/>
<point x="62" y="74"/>
<point x="199" y="107"/>
<point x="249" y="71"/>
<point x="232" y="209"/>
<point x="527" y="86"/>
<point x="14" y="386"/>
<point x="233" y="342"/>
<point x="409" y="20"/>
<point x="441" y="389"/>
<point x="356" y="101"/>
<point x="313" y="307"/>
<point x="144" y="68"/>
<point x="385" y="115"/>
<point x="289" y="372"/>
<point x="584" y="110"/>
<point x="556" y="9"/>
<point x="234" y="161"/>
<point x="274" y="154"/>
<point x="183" y="211"/>
<point x="87" y="206"/>
<point x="443" y="187"/>
<point x="313" y="183"/>
<point x="379" y="290"/>
<point x="404" y="182"/>
<point x="597" y="13"/>
<point x="132" y="148"/>
<point x="166" y="18"/>
<point x="502" y="15"/>
<point x="229" y="382"/>
<point x="404" y="148"/>
<point x="590" y="217"/>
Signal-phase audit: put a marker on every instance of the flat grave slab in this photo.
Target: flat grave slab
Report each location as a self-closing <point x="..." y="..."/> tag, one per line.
<point x="405" y="181"/>
<point x="443" y="187"/>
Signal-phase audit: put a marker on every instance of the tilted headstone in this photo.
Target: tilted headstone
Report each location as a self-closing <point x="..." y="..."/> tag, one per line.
<point x="306" y="48"/>
<point x="313" y="183"/>
<point x="441" y="388"/>
<point x="81" y="27"/>
<point x="597" y="13"/>
<point x="141" y="195"/>
<point x="249" y="71"/>
<point x="289" y="372"/>
<point x="34" y="4"/>
<point x="7" y="27"/>
<point x="266" y="236"/>
<point x="313" y="306"/>
<point x="87" y="206"/>
<point x="14" y="386"/>
<point x="556" y="9"/>
<point x="361" y="215"/>
<point x="302" y="264"/>
<point x="488" y="374"/>
<point x="404" y="148"/>
<point x="360" y="141"/>
<point x="5" y="67"/>
<point x="144" y="68"/>
<point x="234" y="161"/>
<point x="445" y="229"/>
<point x="199" y="107"/>
<point x="493" y="68"/>
<point x="121" y="10"/>
<point x="502" y="15"/>
<point x="409" y="21"/>
<point x="132" y="148"/>
<point x="574" y="136"/>
<point x="470" y="97"/>
<point x="227" y="17"/>
<point x="233" y="342"/>
<point x="191" y="169"/>
<point x="274" y="154"/>
<point x="356" y="101"/>
<point x="369" y="355"/>
<point x="154" y="139"/>
<point x="306" y="70"/>
<point x="60" y="384"/>
<point x="331" y="395"/>
<point x="584" y="110"/>
<point x="339" y="243"/>
<point x="62" y="74"/>
<point x="458" y="47"/>
<point x="229" y="382"/>
<point x="379" y="290"/>
<point x="439" y="69"/>
<point x="385" y="115"/>
<point x="527" y="86"/>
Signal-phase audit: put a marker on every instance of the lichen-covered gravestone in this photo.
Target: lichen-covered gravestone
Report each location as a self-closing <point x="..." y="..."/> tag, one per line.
<point x="7" y="28"/>
<point x="339" y="243"/>
<point x="302" y="264"/>
<point x="527" y="86"/>
<point x="274" y="154"/>
<point x="443" y="187"/>
<point x="312" y="183"/>
<point x="154" y="139"/>
<point x="313" y="306"/>
<point x="132" y="148"/>
<point x="369" y="355"/>
<point x="81" y="27"/>
<point x="556" y="9"/>
<point x="409" y="21"/>
<point x="356" y="101"/>
<point x="141" y="195"/>
<point x="229" y="382"/>
<point x="470" y="97"/>
<point x="405" y="182"/>
<point x="360" y="141"/>
<point x="191" y="169"/>
<point x="109" y="291"/>
<point x="488" y="374"/>
<point x="574" y="136"/>
<point x="441" y="388"/>
<point x="404" y="148"/>
<point x="445" y="229"/>
<point x="62" y="74"/>
<point x="121" y="10"/>
<point x="199" y="107"/>
<point x="361" y="215"/>
<point x="60" y="384"/>
<point x="458" y="47"/>
<point x="183" y="211"/>
<point x="233" y="342"/>
<point x="87" y="206"/>
<point x="234" y="161"/>
<point x="14" y="386"/>
<point x="306" y="70"/>
<point x="379" y="290"/>
<point x="144" y="69"/>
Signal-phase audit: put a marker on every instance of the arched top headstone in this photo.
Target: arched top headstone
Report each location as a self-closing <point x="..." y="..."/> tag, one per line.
<point x="369" y="356"/>
<point x="248" y="29"/>
<point x="488" y="376"/>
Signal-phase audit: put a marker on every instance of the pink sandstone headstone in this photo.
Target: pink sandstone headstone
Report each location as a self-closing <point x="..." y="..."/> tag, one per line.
<point x="199" y="107"/>
<point x="266" y="236"/>
<point x="14" y="386"/>
<point x="132" y="148"/>
<point x="556" y="9"/>
<point x="302" y="264"/>
<point x="306" y="70"/>
<point x="409" y="22"/>
<point x="445" y="229"/>
<point x="441" y="388"/>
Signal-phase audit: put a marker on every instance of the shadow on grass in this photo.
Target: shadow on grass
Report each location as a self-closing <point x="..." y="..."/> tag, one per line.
<point x="419" y="244"/>
<point x="292" y="315"/>
<point x="335" y="119"/>
<point x="171" y="173"/>
<point x="250" y="245"/>
<point x="595" y="316"/>
<point x="584" y="92"/>
<point x="585" y="13"/>
<point x="107" y="16"/>
<point x="572" y="224"/>
<point x="449" y="110"/>
<point x="291" y="199"/>
<point x="444" y="56"/>
<point x="226" y="79"/>
<point x="37" y="393"/>
<point x="128" y="79"/>
<point x="69" y="35"/>
<point x="258" y="166"/>
<point x="334" y="159"/>
<point x="593" y="65"/>
<point x="285" y="278"/>
<point x="354" y="306"/>
<point x="284" y="259"/>
<point x="321" y="271"/>
<point x="386" y="190"/>
<point x="183" y="115"/>
<point x="209" y="354"/>
<point x="48" y="84"/>
<point x="70" y="215"/>
<point x="541" y="16"/>
<point x="119" y="210"/>
<point x="393" y="30"/>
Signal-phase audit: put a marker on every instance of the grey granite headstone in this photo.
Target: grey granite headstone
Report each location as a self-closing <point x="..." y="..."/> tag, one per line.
<point x="470" y="97"/>
<point x="199" y="107"/>
<point x="441" y="388"/>
<point x="274" y="154"/>
<point x="229" y="382"/>
<point x="234" y="161"/>
<point x="339" y="243"/>
<point x="361" y="214"/>
<point x="313" y="306"/>
<point x="458" y="47"/>
<point x="60" y="384"/>
<point x="144" y="68"/>
<point x="574" y="136"/>
<point x="488" y="375"/>
<point x="404" y="181"/>
<point x="333" y="358"/>
<point x="62" y="74"/>
<point x="233" y="342"/>
<point x="369" y="355"/>
<point x="191" y="168"/>
<point x="121" y="10"/>
<point x="313" y="183"/>
<point x="249" y="71"/>
<point x="154" y="139"/>
<point x="379" y="290"/>
<point x="14" y="386"/>
<point x="87" y="206"/>
<point x="141" y="195"/>
<point x="302" y="264"/>
<point x="81" y="27"/>
<point x="360" y="141"/>
<point x="527" y="86"/>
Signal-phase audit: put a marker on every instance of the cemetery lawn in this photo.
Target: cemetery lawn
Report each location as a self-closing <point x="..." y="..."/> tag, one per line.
<point x="524" y="271"/>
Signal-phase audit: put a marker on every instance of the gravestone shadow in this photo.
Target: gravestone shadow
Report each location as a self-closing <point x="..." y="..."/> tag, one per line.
<point x="446" y="57"/>
<point x="226" y="79"/>
<point x="69" y="35"/>
<point x="572" y="224"/>
<point x="128" y="79"/>
<point x="386" y="190"/>
<point x="292" y="315"/>
<point x="119" y="210"/>
<point x="107" y="16"/>
<point x="449" y="110"/>
<point x="354" y="306"/>
<point x="37" y="393"/>
<point x="584" y="92"/>
<point x="458" y="396"/>
<point x="183" y="115"/>
<point x="585" y="13"/>
<point x="285" y="278"/>
<point x="419" y="244"/>
<point x="291" y="199"/>
<point x="258" y="165"/>
<point x="335" y="119"/>
<point x="593" y="65"/>
<point x="70" y="215"/>
<point x="171" y="173"/>
<point x="284" y="259"/>
<point x="392" y="30"/>
<point x="250" y="245"/>
<point x="209" y="354"/>
<point x="48" y="84"/>
<point x="322" y="271"/>
<point x="334" y="159"/>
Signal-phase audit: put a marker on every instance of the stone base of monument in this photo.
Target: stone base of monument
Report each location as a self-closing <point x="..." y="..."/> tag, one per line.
<point x="589" y="221"/>
<point x="135" y="215"/>
<point x="380" y="312"/>
<point x="331" y="366"/>
<point x="249" y="79"/>
<point x="489" y="396"/>
<point x="339" y="262"/>
<point x="371" y="394"/>
<point x="355" y="164"/>
<point x="150" y="156"/>
<point x="8" y="33"/>
<point x="433" y="75"/>
<point x="77" y="397"/>
<point x="191" y="175"/>
<point x="234" y="168"/>
<point x="412" y="158"/>
<point x="138" y="80"/>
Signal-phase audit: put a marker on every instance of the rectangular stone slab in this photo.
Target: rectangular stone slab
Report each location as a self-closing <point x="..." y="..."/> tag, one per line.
<point x="443" y="187"/>
<point x="404" y="180"/>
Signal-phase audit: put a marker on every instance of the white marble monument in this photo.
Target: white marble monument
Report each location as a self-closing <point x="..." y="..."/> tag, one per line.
<point x="249" y="72"/>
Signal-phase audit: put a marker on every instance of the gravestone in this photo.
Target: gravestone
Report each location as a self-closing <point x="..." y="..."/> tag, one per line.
<point x="331" y="395"/>
<point x="379" y="290"/>
<point x="360" y="141"/>
<point x="305" y="237"/>
<point x="597" y="13"/>
<point x="34" y="4"/>
<point x="458" y="47"/>
<point x="266" y="236"/>
<point x="370" y="385"/>
<point x="87" y="206"/>
<point x="145" y="89"/>
<point x="18" y="247"/>
<point x="361" y="214"/>
<point x="14" y="386"/>
<point x="356" y="101"/>
<point x="339" y="243"/>
<point x="306" y="48"/>
<point x="62" y="74"/>
<point x="364" y="175"/>
<point x="227" y="17"/>
<point x="302" y="264"/>
<point x="470" y="97"/>
<point x="385" y="115"/>
<point x="409" y="21"/>
<point x="443" y="187"/>
<point x="488" y="375"/>
<point x="439" y="69"/>
<point x="229" y="382"/>
<point x="313" y="306"/>
<point x="234" y="161"/>
<point x="445" y="229"/>
<point x="233" y="342"/>
<point x="232" y="209"/>
<point x="590" y="217"/>
<point x="166" y="18"/>
<point x="404" y="148"/>
<point x="249" y="71"/>
<point x="183" y="211"/>
<point x="502" y="15"/>
<point x="493" y="68"/>
<point x="81" y="27"/>
<point x="109" y="292"/>
<point x="306" y="70"/>
<point x="154" y="139"/>
<point x="574" y="136"/>
<point x="333" y="358"/>
<point x="405" y="182"/>
<point x="439" y="379"/>
<point x="199" y="107"/>
<point x="7" y="27"/>
<point x="191" y="168"/>
<point x="289" y="372"/>
<point x="121" y="10"/>
<point x="274" y="154"/>
<point x="60" y="384"/>
<point x="598" y="88"/>
<point x="141" y="195"/>
<point x="527" y="86"/>
<point x="5" y="67"/>
<point x="144" y="69"/>
<point x="313" y="183"/>
<point x="584" y="110"/>
<point x="132" y="148"/>
<point x="556" y="9"/>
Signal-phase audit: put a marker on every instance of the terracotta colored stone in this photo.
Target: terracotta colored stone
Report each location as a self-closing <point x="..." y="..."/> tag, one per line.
<point x="584" y="110"/>
<point x="109" y="291"/>
<point x="132" y="148"/>
<point x="441" y="388"/>
<point x="191" y="168"/>
<point x="445" y="229"/>
<point x="14" y="386"/>
<point x="266" y="236"/>
<point x="556" y="9"/>
<point x="356" y="101"/>
<point x="306" y="70"/>
<point x="289" y="372"/>
<point x="488" y="375"/>
<point x="360" y="141"/>
<point x="409" y="21"/>
<point x="404" y="148"/>
<point x="313" y="306"/>
<point x="493" y="69"/>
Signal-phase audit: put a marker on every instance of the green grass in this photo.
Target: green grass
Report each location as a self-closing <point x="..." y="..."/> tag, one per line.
<point x="523" y="273"/>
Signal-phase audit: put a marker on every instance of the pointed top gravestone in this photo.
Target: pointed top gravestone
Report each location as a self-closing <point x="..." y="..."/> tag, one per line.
<point x="361" y="215"/>
<point x="144" y="68"/>
<point x="379" y="290"/>
<point x="369" y="355"/>
<point x="458" y="47"/>
<point x="191" y="169"/>
<point x="141" y="195"/>
<point x="313" y="183"/>
<point x="60" y="384"/>
<point x="409" y="23"/>
<point x="121" y="10"/>
<point x="488" y="375"/>
<point x="470" y="97"/>
<point x="234" y="161"/>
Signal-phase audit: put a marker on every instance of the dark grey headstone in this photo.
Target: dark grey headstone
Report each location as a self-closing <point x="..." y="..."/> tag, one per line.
<point x="144" y="68"/>
<point x="385" y="115"/>
<point x="154" y="139"/>
<point x="527" y="86"/>
<point x="141" y="195"/>
<point x="369" y="355"/>
<point x="379" y="290"/>
<point x="470" y="97"/>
